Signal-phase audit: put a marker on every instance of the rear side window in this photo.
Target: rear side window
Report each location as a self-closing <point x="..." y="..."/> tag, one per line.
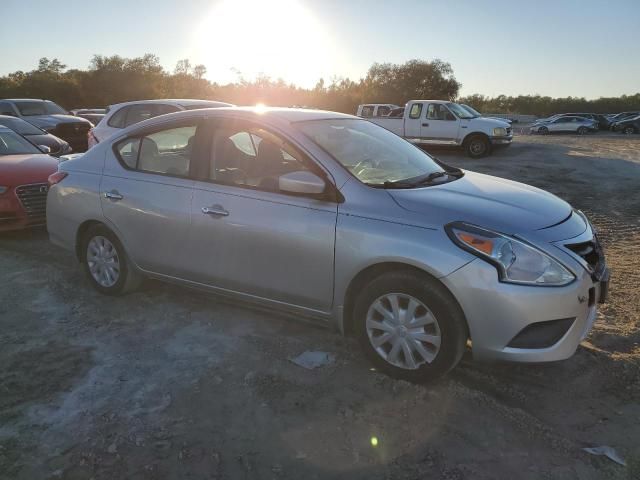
<point x="140" y="112"/>
<point x="166" y="152"/>
<point x="382" y="111"/>
<point x="162" y="109"/>
<point x="117" y="120"/>
<point x="416" y="110"/>
<point x="367" y="111"/>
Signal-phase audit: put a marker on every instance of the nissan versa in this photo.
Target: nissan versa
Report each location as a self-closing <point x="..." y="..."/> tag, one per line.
<point x="329" y="216"/>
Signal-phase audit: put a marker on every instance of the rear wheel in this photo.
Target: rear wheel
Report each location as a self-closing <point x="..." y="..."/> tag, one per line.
<point x="628" y="130"/>
<point x="409" y="326"/>
<point x="583" y="130"/>
<point x="106" y="263"/>
<point x="543" y="131"/>
<point x="478" y="146"/>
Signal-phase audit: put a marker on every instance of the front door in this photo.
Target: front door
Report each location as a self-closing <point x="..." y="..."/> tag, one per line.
<point x="440" y="126"/>
<point x="146" y="196"/>
<point x="249" y="237"/>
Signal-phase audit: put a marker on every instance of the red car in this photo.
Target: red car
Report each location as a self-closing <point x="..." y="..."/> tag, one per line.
<point x="24" y="171"/>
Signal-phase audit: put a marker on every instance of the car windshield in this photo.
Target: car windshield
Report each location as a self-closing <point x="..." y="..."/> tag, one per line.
<point x="20" y="126"/>
<point x="39" y="108"/>
<point x="371" y="153"/>
<point x="471" y="110"/>
<point x="460" y="111"/>
<point x="13" y="144"/>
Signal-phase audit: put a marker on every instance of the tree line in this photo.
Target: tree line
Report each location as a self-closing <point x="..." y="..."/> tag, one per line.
<point x="114" y="79"/>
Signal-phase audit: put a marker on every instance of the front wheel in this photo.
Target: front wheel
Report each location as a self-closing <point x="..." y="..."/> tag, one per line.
<point x="409" y="326"/>
<point x="106" y="264"/>
<point x="583" y="130"/>
<point x="478" y="146"/>
<point x="543" y="131"/>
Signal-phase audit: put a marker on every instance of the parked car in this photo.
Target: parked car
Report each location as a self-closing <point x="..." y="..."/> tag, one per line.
<point x="628" y="125"/>
<point x="331" y="217"/>
<point x="35" y="135"/>
<point x="602" y="120"/>
<point x="123" y="115"/>
<point x="51" y="118"/>
<point x="476" y="113"/>
<point x="437" y="122"/>
<point x="579" y="125"/>
<point x="23" y="181"/>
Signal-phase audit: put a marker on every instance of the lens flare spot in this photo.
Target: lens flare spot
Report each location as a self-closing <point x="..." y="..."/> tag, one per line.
<point x="374" y="441"/>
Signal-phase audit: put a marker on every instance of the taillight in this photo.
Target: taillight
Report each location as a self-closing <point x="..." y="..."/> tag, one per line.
<point x="57" y="177"/>
<point x="91" y="138"/>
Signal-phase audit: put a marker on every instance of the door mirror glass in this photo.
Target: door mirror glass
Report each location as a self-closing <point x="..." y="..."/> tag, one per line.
<point x="44" y="148"/>
<point x="303" y="182"/>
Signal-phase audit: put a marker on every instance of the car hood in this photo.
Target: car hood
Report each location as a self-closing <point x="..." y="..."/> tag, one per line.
<point x="489" y="122"/>
<point x="25" y="169"/>
<point x="486" y="201"/>
<point x="48" y="121"/>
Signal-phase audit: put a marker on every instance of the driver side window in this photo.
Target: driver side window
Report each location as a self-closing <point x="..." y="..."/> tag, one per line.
<point x="252" y="157"/>
<point x="436" y="111"/>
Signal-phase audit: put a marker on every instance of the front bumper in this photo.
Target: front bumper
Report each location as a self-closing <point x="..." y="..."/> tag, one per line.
<point x="498" y="312"/>
<point x="504" y="140"/>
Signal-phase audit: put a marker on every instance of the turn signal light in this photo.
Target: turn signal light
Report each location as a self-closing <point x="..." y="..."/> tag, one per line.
<point x="56" y="178"/>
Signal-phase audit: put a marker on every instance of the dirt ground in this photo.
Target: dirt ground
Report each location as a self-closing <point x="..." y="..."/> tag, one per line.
<point x="170" y="383"/>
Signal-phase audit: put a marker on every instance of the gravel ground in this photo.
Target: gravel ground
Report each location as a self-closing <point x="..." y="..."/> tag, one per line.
<point x="169" y="383"/>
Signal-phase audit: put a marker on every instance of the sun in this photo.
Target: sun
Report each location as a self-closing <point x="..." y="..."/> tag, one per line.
<point x="277" y="38"/>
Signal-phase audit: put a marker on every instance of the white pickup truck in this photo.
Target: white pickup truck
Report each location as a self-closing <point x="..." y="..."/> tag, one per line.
<point x="438" y="122"/>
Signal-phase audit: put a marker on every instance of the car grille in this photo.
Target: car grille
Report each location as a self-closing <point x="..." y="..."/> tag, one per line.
<point x="592" y="254"/>
<point x="34" y="200"/>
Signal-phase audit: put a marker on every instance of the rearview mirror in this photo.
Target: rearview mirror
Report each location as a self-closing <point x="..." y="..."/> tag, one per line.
<point x="301" y="182"/>
<point x="44" y="149"/>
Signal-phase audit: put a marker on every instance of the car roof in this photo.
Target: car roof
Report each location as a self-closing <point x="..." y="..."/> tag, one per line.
<point x="172" y="101"/>
<point x="287" y="115"/>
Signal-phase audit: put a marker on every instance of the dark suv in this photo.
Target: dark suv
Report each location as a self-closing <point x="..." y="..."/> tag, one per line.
<point x="50" y="117"/>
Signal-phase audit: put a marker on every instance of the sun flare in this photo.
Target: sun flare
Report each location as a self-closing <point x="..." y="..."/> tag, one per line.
<point x="278" y="38"/>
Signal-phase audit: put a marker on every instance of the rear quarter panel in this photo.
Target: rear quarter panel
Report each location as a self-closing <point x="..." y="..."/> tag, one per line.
<point x="76" y="199"/>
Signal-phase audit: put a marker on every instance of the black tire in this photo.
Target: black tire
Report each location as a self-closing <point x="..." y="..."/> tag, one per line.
<point x="478" y="146"/>
<point x="629" y="130"/>
<point x="129" y="278"/>
<point x="543" y="131"/>
<point x="450" y="319"/>
<point x="583" y="130"/>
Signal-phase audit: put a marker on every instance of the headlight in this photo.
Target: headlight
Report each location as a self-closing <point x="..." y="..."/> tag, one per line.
<point x="3" y="189"/>
<point x="499" y="132"/>
<point x="516" y="261"/>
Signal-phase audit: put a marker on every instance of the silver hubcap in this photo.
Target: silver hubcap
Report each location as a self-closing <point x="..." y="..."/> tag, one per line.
<point x="477" y="147"/>
<point x="403" y="331"/>
<point x="103" y="261"/>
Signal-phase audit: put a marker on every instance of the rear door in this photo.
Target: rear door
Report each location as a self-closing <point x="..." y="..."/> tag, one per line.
<point x="440" y="126"/>
<point x="146" y="193"/>
<point x="249" y="237"/>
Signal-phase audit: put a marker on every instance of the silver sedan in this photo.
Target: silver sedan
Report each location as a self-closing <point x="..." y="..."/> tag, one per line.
<point x="330" y="217"/>
<point x="568" y="123"/>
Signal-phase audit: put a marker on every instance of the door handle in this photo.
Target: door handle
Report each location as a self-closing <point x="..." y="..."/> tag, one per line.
<point x="113" y="195"/>
<point x="215" y="210"/>
<point x="425" y="124"/>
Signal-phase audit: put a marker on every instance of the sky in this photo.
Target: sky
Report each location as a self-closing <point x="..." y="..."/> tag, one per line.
<point x="559" y="48"/>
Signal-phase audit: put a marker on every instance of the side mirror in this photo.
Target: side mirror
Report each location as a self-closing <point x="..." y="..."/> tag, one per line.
<point x="301" y="182"/>
<point x="44" y="149"/>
